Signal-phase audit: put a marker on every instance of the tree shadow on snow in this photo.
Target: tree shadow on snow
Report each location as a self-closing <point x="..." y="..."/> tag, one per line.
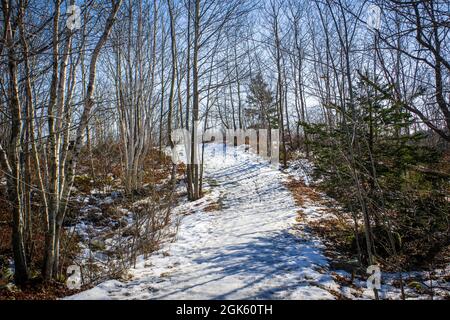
<point x="271" y="264"/>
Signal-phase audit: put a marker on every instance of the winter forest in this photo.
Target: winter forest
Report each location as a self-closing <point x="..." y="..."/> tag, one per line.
<point x="225" y="149"/>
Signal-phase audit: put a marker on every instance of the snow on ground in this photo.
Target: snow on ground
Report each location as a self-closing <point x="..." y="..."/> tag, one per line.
<point x="248" y="249"/>
<point x="241" y="241"/>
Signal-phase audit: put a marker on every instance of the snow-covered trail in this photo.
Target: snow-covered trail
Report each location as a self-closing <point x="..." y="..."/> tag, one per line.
<point x="247" y="249"/>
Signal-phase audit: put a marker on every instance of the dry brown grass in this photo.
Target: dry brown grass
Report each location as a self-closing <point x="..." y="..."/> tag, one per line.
<point x="214" y="206"/>
<point x="333" y="227"/>
<point x="37" y="290"/>
<point x="303" y="193"/>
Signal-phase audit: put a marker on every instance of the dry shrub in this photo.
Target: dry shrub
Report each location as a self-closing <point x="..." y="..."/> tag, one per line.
<point x="5" y="227"/>
<point x="100" y="169"/>
<point x="152" y="221"/>
<point x="157" y="167"/>
<point x="39" y="290"/>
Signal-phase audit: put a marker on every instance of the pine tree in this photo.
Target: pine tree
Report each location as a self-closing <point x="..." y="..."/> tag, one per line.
<point x="406" y="204"/>
<point x="260" y="104"/>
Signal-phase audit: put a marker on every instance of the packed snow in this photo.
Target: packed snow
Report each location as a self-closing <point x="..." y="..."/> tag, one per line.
<point x="248" y="249"/>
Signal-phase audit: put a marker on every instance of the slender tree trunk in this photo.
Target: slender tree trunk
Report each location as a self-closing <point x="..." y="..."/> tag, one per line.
<point x="14" y="149"/>
<point x="196" y="105"/>
<point x="172" y="84"/>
